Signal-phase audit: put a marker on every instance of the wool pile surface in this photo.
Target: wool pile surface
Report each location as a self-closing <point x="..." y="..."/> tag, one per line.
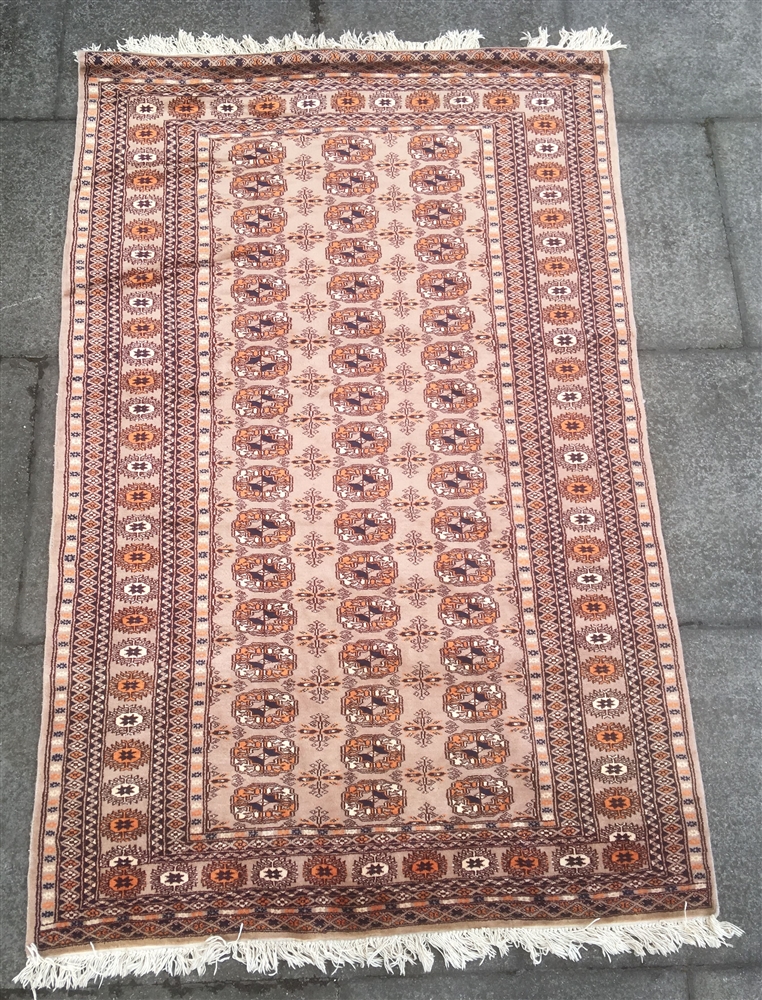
<point x="360" y="626"/>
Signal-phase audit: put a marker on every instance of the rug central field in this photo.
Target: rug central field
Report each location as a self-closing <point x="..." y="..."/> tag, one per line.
<point x="359" y="620"/>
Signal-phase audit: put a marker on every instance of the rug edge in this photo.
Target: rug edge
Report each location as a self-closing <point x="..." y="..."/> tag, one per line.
<point x="393" y="952"/>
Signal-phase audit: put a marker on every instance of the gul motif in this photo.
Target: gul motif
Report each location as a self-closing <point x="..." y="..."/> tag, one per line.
<point x="359" y="399"/>
<point x="263" y="803"/>
<point x="264" y="755"/>
<point x="474" y="797"/>
<point x="460" y="524"/>
<point x="264" y="662"/>
<point x="259" y="256"/>
<point x="366" y="570"/>
<point x="262" y="442"/>
<point x="264" y="617"/>
<point x="264" y="709"/>
<point x="351" y="217"/>
<point x="263" y="573"/>
<point x="258" y="187"/>
<point x="262" y="527"/>
<point x="370" y="659"/>
<point x="262" y="325"/>
<point x="357" y="322"/>
<point x="471" y="655"/>
<point x="373" y="753"/>
<point x="477" y="748"/>
<point x="262" y="401"/>
<point x="373" y="800"/>
<point x="372" y="706"/>
<point x="264" y="482"/>
<point x="264" y="220"/>
<point x="366" y="526"/>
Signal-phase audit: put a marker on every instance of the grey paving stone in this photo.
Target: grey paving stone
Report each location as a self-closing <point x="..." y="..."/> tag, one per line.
<point x="682" y="280"/>
<point x="727" y="984"/>
<point x="180" y="989"/>
<point x="30" y="617"/>
<point x="29" y="55"/>
<point x="737" y="149"/>
<point x="18" y="387"/>
<point x="692" y="60"/>
<point x="502" y="22"/>
<point x="21" y="673"/>
<point x="35" y="171"/>
<point x="725" y="685"/>
<point x="104" y="22"/>
<point x="703" y="421"/>
<point x="531" y="984"/>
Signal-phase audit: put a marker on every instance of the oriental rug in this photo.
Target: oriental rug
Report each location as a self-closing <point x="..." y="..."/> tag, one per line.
<point x="361" y="642"/>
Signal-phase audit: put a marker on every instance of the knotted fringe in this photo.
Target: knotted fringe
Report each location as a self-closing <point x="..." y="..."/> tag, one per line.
<point x="394" y="951"/>
<point x="186" y="44"/>
<point x="590" y="38"/>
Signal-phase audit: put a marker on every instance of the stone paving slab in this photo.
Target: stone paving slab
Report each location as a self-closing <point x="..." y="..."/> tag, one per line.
<point x="737" y="149"/>
<point x="18" y="386"/>
<point x="104" y="22"/>
<point x="682" y="280"/>
<point x="29" y="57"/>
<point x="685" y="60"/>
<point x="703" y="410"/>
<point x="502" y="22"/>
<point x="35" y="173"/>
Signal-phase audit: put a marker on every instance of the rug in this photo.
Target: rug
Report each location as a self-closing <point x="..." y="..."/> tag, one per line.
<point x="361" y="646"/>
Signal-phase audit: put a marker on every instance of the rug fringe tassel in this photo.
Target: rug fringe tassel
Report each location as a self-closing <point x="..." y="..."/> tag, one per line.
<point x="184" y="43"/>
<point x="394" y="951"/>
<point x="585" y="41"/>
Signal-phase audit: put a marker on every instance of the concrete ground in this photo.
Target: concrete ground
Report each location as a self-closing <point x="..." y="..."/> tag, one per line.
<point x="688" y="108"/>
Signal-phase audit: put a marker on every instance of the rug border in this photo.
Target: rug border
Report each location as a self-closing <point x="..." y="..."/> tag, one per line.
<point x="60" y="462"/>
<point x="650" y="478"/>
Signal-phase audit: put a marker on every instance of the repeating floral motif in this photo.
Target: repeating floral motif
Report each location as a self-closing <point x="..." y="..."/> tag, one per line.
<point x="383" y="552"/>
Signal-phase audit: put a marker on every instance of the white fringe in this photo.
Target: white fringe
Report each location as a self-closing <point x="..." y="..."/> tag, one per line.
<point x="185" y="43"/>
<point x="393" y="951"/>
<point x="590" y="38"/>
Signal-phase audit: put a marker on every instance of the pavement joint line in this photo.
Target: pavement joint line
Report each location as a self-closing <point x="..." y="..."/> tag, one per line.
<point x="683" y="351"/>
<point x="748" y="626"/>
<point x="32" y="359"/>
<point x="35" y="121"/>
<point x="743" y="308"/>
<point x="316" y="15"/>
<point x="746" y="333"/>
